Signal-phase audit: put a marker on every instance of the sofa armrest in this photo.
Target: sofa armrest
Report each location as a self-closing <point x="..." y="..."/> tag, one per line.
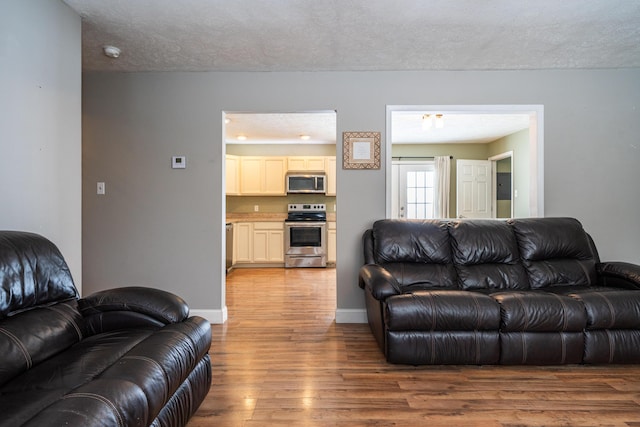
<point x="378" y="281"/>
<point x="159" y="305"/>
<point x="621" y="274"/>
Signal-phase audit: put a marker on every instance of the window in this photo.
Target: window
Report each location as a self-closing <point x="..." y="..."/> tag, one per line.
<point x="419" y="188"/>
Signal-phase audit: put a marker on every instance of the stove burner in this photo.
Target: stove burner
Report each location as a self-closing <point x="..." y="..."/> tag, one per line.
<point x="307" y="212"/>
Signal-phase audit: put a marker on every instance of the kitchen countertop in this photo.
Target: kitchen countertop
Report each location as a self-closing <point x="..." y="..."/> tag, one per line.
<point x="264" y="216"/>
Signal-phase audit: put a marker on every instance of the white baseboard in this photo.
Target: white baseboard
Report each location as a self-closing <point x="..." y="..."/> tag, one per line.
<point x="344" y="315"/>
<point x="213" y="316"/>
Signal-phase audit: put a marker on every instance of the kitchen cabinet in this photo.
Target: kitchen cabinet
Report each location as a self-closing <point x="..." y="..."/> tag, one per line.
<point x="331" y="242"/>
<point x="330" y="170"/>
<point x="268" y="242"/>
<point x="265" y="175"/>
<point x="306" y="163"/>
<point x="259" y="242"/>
<point x="243" y="242"/>
<point x="232" y="175"/>
<point x="262" y="176"/>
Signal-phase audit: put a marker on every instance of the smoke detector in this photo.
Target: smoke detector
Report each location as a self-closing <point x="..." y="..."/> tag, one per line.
<point x="111" y="51"/>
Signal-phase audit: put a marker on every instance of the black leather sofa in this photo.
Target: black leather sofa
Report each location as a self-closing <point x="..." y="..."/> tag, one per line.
<point x="121" y="357"/>
<point x="520" y="291"/>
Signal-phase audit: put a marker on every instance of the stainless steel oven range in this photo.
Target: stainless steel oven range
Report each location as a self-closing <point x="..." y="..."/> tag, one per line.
<point x="305" y="238"/>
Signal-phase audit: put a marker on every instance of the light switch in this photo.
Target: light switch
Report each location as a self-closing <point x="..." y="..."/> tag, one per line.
<point x="100" y="188"/>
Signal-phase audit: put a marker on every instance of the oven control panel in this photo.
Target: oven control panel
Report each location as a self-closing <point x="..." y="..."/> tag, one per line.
<point x="305" y="207"/>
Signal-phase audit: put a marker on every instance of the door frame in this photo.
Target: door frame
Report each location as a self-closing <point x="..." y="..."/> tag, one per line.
<point x="223" y="203"/>
<point x="536" y="144"/>
<point x="494" y="177"/>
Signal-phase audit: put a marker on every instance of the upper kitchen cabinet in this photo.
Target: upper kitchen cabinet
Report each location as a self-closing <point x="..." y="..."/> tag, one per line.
<point x="232" y="175"/>
<point x="330" y="170"/>
<point x="306" y="163"/>
<point x="262" y="176"/>
<point x="265" y="175"/>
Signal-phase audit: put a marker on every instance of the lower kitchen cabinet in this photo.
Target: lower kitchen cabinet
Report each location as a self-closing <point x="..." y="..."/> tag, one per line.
<point x="242" y="242"/>
<point x="259" y="242"/>
<point x="331" y="242"/>
<point x="268" y="242"/>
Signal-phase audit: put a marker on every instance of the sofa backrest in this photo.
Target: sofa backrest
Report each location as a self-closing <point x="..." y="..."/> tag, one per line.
<point x="485" y="255"/>
<point x="39" y="316"/>
<point x="530" y="253"/>
<point x="416" y="252"/>
<point x="556" y="252"/>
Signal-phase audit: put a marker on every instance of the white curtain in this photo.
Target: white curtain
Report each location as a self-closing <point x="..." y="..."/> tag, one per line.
<point x="443" y="186"/>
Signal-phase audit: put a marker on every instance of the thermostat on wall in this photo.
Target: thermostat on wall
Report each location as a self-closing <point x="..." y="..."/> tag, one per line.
<point x="179" y="162"/>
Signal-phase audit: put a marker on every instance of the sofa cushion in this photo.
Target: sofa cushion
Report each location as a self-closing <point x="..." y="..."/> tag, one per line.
<point x="540" y="312"/>
<point x="413" y="276"/>
<point x="611" y="309"/>
<point x="28" y="338"/>
<point x="485" y="255"/>
<point x="442" y="311"/>
<point x="152" y="362"/>
<point x="32" y="273"/>
<point x="51" y="380"/>
<point x="416" y="241"/>
<point x="555" y="251"/>
<point x="416" y="252"/>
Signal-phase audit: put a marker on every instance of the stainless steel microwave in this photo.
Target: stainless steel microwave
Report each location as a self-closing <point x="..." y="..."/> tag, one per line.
<point x="306" y="182"/>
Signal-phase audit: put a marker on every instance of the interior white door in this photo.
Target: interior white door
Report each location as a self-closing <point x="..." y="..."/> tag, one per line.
<point x="473" y="187"/>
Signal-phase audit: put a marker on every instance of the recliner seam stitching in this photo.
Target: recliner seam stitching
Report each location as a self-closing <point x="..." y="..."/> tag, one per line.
<point x="611" y="310"/>
<point x="100" y="398"/>
<point x="21" y="346"/>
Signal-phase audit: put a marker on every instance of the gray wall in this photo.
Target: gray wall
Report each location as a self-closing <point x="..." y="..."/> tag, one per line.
<point x="40" y="118"/>
<point x="164" y="228"/>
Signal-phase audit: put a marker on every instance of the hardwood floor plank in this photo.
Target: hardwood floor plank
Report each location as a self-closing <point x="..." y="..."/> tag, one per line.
<point x="281" y="360"/>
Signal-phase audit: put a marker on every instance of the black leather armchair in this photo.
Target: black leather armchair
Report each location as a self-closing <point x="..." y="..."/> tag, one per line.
<point x="121" y="357"/>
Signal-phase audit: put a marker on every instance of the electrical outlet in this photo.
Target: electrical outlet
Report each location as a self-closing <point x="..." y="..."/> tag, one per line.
<point x="256" y="208"/>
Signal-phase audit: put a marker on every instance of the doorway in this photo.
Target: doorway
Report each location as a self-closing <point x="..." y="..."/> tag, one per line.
<point x="265" y="146"/>
<point x="503" y="188"/>
<point x="460" y="129"/>
<point x="415" y="184"/>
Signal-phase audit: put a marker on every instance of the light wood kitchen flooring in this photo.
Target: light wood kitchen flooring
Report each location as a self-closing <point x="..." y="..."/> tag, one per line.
<point x="281" y="360"/>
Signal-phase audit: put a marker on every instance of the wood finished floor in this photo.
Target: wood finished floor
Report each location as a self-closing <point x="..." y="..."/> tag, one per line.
<point x="281" y="360"/>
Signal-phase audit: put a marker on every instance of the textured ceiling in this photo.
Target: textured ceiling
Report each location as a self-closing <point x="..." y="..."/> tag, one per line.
<point x="346" y="35"/>
<point x="407" y="127"/>
<point x="326" y="35"/>
<point x="281" y="128"/>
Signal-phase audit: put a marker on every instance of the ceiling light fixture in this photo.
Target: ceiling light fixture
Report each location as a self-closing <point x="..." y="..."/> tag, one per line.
<point x="242" y="138"/>
<point x="305" y="137"/>
<point x="427" y="121"/>
<point x="111" y="51"/>
<point x="432" y="120"/>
